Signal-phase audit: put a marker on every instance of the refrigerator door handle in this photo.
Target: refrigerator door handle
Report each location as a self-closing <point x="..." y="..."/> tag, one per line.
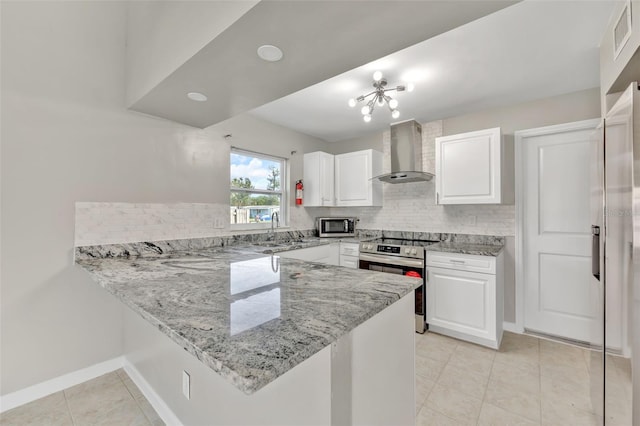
<point x="595" y="251"/>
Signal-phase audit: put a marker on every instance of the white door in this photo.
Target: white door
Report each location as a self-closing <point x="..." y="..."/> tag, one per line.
<point x="554" y="201"/>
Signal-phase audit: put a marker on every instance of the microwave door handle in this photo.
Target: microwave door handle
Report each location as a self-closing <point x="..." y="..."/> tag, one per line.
<point x="595" y="251"/>
<point x="346" y="226"/>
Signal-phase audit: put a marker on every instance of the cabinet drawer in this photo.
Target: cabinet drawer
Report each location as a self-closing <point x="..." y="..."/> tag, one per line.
<point x="462" y="262"/>
<point x="349" y="249"/>
<point x="349" y="261"/>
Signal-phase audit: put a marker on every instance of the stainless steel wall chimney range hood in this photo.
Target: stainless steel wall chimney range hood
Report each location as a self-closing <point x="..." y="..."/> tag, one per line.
<point x="406" y="154"/>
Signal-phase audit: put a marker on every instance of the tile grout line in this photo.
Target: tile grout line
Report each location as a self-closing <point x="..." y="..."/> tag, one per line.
<point x="66" y="401"/>
<point x="133" y="397"/>
<point x="540" y="378"/>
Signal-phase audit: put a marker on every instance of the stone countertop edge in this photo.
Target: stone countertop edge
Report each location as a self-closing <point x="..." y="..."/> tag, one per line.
<point x="467" y="248"/>
<point x="139" y="282"/>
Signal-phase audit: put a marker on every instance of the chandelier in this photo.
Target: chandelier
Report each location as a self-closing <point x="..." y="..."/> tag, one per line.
<point x="379" y="96"/>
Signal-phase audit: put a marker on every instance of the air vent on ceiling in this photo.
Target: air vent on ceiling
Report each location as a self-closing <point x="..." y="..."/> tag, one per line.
<point x="622" y="29"/>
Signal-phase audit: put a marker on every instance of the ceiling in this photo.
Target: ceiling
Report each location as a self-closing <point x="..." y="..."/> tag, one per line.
<point x="320" y="39"/>
<point x="531" y="50"/>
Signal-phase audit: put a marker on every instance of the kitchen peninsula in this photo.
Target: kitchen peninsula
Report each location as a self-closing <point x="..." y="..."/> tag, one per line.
<point x="264" y="339"/>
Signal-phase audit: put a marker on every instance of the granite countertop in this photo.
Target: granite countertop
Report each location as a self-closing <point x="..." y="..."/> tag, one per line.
<point x="249" y="316"/>
<point x="466" y="248"/>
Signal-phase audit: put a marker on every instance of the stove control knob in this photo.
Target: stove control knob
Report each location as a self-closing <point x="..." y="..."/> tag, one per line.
<point x="407" y="251"/>
<point x="414" y="251"/>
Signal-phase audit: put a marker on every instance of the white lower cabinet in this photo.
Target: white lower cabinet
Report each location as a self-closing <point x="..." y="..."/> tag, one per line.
<point x="349" y="255"/>
<point x="462" y="303"/>
<point x="329" y="254"/>
<point x="337" y="254"/>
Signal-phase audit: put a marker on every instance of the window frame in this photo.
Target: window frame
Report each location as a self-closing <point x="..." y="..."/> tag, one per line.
<point x="283" y="214"/>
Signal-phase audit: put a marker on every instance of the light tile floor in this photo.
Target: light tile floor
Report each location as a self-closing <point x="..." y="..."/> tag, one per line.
<point x="529" y="381"/>
<point x="111" y="399"/>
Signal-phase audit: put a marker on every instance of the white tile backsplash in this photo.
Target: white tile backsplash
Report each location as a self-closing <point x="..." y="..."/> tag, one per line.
<point x="111" y="223"/>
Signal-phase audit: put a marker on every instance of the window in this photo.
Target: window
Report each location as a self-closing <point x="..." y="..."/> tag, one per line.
<point x="256" y="188"/>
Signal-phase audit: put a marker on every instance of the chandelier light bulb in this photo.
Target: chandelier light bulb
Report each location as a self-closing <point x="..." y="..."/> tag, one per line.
<point x="366" y="118"/>
<point x="352" y="102"/>
<point x="393" y="104"/>
<point x="364" y="110"/>
<point x="380" y="101"/>
<point x="410" y="87"/>
<point x="377" y="76"/>
<point x="395" y="113"/>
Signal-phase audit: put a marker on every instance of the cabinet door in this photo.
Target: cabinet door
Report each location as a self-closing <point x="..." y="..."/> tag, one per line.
<point x="327" y="181"/>
<point x="468" y="168"/>
<point x="318" y="178"/>
<point x="353" y="178"/>
<point x="462" y="302"/>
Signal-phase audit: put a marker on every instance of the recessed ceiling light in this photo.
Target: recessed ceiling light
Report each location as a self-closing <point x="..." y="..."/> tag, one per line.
<point x="197" y="96"/>
<point x="270" y="53"/>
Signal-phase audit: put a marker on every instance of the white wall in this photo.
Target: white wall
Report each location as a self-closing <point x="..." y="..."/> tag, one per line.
<point x="66" y="137"/>
<point x="163" y="35"/>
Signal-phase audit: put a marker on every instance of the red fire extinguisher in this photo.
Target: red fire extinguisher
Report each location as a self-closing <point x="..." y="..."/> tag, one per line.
<point x="299" y="188"/>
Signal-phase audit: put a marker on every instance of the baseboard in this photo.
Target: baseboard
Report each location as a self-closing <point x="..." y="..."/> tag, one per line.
<point x="511" y="327"/>
<point x="40" y="390"/>
<point x="158" y="404"/>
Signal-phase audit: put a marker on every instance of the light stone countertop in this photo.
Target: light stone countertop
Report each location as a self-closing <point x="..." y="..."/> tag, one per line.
<point x="247" y="315"/>
<point x="466" y="248"/>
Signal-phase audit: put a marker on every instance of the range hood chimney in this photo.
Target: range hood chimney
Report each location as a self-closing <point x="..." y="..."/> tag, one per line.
<point x="406" y="154"/>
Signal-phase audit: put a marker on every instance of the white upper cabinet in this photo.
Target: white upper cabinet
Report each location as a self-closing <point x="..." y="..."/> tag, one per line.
<point x="468" y="168"/>
<point x="318" y="179"/>
<point x="354" y="183"/>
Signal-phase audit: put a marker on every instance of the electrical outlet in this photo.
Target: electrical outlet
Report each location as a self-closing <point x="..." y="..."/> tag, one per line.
<point x="217" y="223"/>
<point x="186" y="385"/>
<point x="471" y="220"/>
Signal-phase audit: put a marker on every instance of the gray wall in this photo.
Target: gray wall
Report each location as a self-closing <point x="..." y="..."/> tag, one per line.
<point x="66" y="137"/>
<point x="566" y="108"/>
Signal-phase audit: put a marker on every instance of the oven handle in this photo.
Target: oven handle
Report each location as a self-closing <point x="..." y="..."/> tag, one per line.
<point x="392" y="260"/>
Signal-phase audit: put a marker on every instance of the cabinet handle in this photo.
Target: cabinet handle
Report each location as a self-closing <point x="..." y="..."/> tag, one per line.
<point x="437" y="198"/>
<point x="462" y="262"/>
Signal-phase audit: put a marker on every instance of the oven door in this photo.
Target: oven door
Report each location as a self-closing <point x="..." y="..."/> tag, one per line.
<point x="401" y="266"/>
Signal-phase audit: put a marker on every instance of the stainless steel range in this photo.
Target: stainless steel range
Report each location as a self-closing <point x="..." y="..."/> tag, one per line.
<point x="402" y="257"/>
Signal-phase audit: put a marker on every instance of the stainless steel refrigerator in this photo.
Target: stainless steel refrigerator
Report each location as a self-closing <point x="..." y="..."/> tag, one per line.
<point x="615" y="360"/>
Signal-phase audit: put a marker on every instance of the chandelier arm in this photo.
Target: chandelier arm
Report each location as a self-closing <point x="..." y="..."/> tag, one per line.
<point x="369" y="94"/>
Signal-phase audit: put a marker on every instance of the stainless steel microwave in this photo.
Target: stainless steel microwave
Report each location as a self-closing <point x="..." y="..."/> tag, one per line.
<point x="336" y="226"/>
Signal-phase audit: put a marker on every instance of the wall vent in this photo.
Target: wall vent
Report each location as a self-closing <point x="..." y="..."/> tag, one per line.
<point x="622" y="29"/>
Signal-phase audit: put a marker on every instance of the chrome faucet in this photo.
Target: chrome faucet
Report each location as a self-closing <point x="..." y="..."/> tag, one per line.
<point x="275" y="217"/>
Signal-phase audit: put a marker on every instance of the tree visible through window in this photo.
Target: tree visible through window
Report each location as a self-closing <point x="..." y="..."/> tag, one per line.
<point x="256" y="187"/>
